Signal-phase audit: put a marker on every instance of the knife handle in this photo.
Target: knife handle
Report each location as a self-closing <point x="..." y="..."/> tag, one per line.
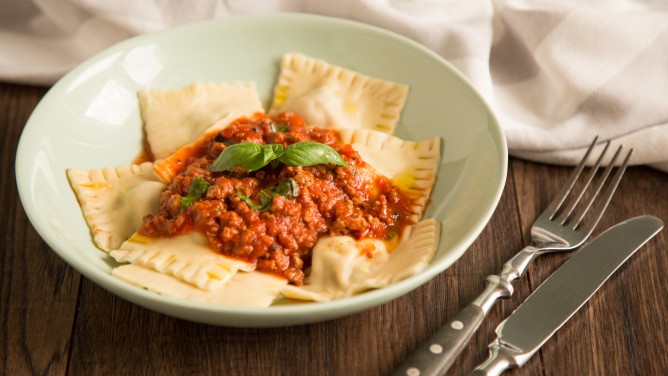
<point x="438" y="353"/>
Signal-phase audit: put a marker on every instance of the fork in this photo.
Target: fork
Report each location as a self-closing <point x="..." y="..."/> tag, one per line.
<point x="558" y="228"/>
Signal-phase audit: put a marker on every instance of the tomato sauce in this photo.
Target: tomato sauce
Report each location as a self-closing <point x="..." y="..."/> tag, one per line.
<point x="273" y="216"/>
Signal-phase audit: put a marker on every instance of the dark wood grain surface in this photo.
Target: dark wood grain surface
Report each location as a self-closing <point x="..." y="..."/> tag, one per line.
<point x="55" y="322"/>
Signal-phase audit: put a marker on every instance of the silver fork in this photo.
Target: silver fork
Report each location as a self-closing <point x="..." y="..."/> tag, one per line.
<point x="558" y="228"/>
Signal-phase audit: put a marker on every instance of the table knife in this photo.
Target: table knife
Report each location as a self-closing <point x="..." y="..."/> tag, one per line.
<point x="554" y="302"/>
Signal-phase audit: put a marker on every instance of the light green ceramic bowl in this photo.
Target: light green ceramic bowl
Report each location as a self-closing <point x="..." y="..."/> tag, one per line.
<point x="90" y="119"/>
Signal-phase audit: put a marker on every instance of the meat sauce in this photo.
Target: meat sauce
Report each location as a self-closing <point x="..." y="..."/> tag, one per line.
<point x="274" y="216"/>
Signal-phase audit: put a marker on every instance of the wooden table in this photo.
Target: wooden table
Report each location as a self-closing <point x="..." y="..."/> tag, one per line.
<point x="55" y="322"/>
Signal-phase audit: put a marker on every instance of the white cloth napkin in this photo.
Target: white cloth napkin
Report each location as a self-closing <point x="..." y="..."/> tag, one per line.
<point x="556" y="72"/>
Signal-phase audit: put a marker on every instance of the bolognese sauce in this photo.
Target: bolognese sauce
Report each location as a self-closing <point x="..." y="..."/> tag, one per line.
<point x="273" y="216"/>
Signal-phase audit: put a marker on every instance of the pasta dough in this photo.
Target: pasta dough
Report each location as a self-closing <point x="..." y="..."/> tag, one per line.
<point x="114" y="200"/>
<point x="332" y="97"/>
<point x="343" y="267"/>
<point x="175" y="117"/>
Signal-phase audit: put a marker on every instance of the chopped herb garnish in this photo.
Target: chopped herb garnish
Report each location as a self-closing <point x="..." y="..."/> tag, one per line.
<point x="279" y="127"/>
<point x="287" y="188"/>
<point x="197" y="189"/>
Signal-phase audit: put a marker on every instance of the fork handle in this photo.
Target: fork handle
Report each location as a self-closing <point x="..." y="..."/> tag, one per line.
<point x="437" y="354"/>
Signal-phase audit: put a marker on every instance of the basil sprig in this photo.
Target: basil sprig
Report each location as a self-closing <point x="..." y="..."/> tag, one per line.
<point x="286" y="188"/>
<point x="197" y="189"/>
<point x="252" y="157"/>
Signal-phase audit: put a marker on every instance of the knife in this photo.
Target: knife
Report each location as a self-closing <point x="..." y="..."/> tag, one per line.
<point x="554" y="302"/>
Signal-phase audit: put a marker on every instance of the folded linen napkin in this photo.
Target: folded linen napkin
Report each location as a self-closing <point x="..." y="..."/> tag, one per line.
<point x="556" y="72"/>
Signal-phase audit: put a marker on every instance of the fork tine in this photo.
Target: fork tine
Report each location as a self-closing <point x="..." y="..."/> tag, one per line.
<point x="563" y="193"/>
<point x="607" y="195"/>
<point x="583" y="210"/>
<point x="565" y="214"/>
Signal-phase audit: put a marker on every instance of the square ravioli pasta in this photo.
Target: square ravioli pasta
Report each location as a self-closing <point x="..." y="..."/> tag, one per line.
<point x="330" y="96"/>
<point x="173" y="117"/>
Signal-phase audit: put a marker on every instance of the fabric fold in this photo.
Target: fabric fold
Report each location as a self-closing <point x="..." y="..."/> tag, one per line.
<point x="556" y="72"/>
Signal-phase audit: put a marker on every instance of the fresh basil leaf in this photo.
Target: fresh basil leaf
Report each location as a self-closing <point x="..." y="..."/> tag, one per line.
<point x="248" y="155"/>
<point x="271" y="152"/>
<point x="197" y="189"/>
<point x="309" y="154"/>
<point x="252" y="157"/>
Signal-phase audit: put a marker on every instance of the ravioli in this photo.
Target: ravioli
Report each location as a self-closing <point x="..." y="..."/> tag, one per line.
<point x="167" y="168"/>
<point x="187" y="257"/>
<point x="343" y="267"/>
<point x="114" y="200"/>
<point x="412" y="165"/>
<point x="177" y="116"/>
<point x="253" y="289"/>
<point x="329" y="96"/>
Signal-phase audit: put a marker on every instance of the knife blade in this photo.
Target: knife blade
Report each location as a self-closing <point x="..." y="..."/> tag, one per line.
<point x="561" y="295"/>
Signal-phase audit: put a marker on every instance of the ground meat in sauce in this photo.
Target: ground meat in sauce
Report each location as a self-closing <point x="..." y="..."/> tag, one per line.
<point x="336" y="200"/>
